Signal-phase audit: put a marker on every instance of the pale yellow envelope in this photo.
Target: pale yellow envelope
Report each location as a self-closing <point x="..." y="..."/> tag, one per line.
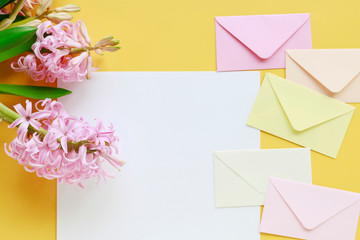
<point x="334" y="72"/>
<point x="241" y="176"/>
<point x="300" y="115"/>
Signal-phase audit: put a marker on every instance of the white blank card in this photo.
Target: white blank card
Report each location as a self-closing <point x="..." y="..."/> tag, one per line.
<point x="169" y="124"/>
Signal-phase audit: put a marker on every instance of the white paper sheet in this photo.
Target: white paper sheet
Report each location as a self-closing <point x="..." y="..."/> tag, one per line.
<point x="169" y="124"/>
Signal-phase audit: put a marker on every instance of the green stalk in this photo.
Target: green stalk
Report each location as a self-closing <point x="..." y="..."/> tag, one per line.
<point x="10" y="116"/>
<point x="7" y="114"/>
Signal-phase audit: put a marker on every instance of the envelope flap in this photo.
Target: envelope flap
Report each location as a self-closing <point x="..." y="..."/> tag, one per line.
<point x="333" y="68"/>
<point x="263" y="34"/>
<point x="313" y="205"/>
<point x="255" y="167"/>
<point x="304" y="107"/>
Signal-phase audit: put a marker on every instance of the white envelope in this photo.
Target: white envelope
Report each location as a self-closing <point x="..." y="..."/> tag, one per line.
<point x="241" y="177"/>
<point x="169" y="124"/>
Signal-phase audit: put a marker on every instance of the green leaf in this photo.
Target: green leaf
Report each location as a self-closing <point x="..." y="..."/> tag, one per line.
<point x="3" y="3"/>
<point x="16" y="50"/>
<point x="35" y="92"/>
<point x="15" y="37"/>
<point x="18" y="17"/>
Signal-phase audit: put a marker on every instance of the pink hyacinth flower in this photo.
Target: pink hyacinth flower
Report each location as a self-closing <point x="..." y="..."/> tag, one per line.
<point x="29" y="65"/>
<point x="70" y="151"/>
<point x="27" y="118"/>
<point x="60" y="52"/>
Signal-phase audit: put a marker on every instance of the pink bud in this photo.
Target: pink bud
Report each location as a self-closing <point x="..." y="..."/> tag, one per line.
<point x="113" y="42"/>
<point x="99" y="52"/>
<point x="44" y="6"/>
<point x="110" y="49"/>
<point x="5" y="23"/>
<point x="84" y="32"/>
<point x="107" y="41"/>
<point x="59" y="17"/>
<point x="104" y="42"/>
<point x="68" y="8"/>
<point x="33" y="23"/>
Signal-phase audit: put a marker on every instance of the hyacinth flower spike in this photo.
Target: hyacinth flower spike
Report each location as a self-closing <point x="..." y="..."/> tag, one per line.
<point x="62" y="52"/>
<point x="56" y="145"/>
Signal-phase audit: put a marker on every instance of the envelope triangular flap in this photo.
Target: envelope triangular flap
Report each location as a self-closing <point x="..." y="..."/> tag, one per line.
<point x="256" y="166"/>
<point x="333" y="68"/>
<point x="304" y="107"/>
<point x="263" y="34"/>
<point x="313" y="205"/>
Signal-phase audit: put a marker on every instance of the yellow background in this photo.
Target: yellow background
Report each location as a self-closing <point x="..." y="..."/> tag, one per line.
<point x="168" y="35"/>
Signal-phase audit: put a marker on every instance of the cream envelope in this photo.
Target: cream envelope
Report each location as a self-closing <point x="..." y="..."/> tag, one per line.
<point x="334" y="72"/>
<point x="259" y="41"/>
<point x="241" y="177"/>
<point x="300" y="115"/>
<point x="306" y="211"/>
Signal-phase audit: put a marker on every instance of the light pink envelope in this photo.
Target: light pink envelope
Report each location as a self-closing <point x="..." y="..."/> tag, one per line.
<point x="333" y="72"/>
<point x="306" y="211"/>
<point x="259" y="41"/>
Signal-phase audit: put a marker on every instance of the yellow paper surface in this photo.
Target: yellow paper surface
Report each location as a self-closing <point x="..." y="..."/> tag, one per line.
<point x="166" y="35"/>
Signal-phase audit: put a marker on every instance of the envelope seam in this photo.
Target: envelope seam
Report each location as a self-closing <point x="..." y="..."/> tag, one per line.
<point x="237" y="174"/>
<point x="327" y="219"/>
<point x="319" y="82"/>
<point x="301" y="25"/>
<point x="347" y="112"/>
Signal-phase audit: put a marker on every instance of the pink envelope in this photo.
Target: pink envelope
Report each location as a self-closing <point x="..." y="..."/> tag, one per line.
<point x="306" y="211"/>
<point x="259" y="41"/>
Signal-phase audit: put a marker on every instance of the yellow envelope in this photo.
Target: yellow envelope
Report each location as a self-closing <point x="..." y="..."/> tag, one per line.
<point x="241" y="177"/>
<point x="333" y="72"/>
<point x="300" y="115"/>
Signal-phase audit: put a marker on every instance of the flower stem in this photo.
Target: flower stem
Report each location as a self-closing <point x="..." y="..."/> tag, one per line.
<point x="80" y="50"/>
<point x="10" y="116"/>
<point x="7" y="114"/>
